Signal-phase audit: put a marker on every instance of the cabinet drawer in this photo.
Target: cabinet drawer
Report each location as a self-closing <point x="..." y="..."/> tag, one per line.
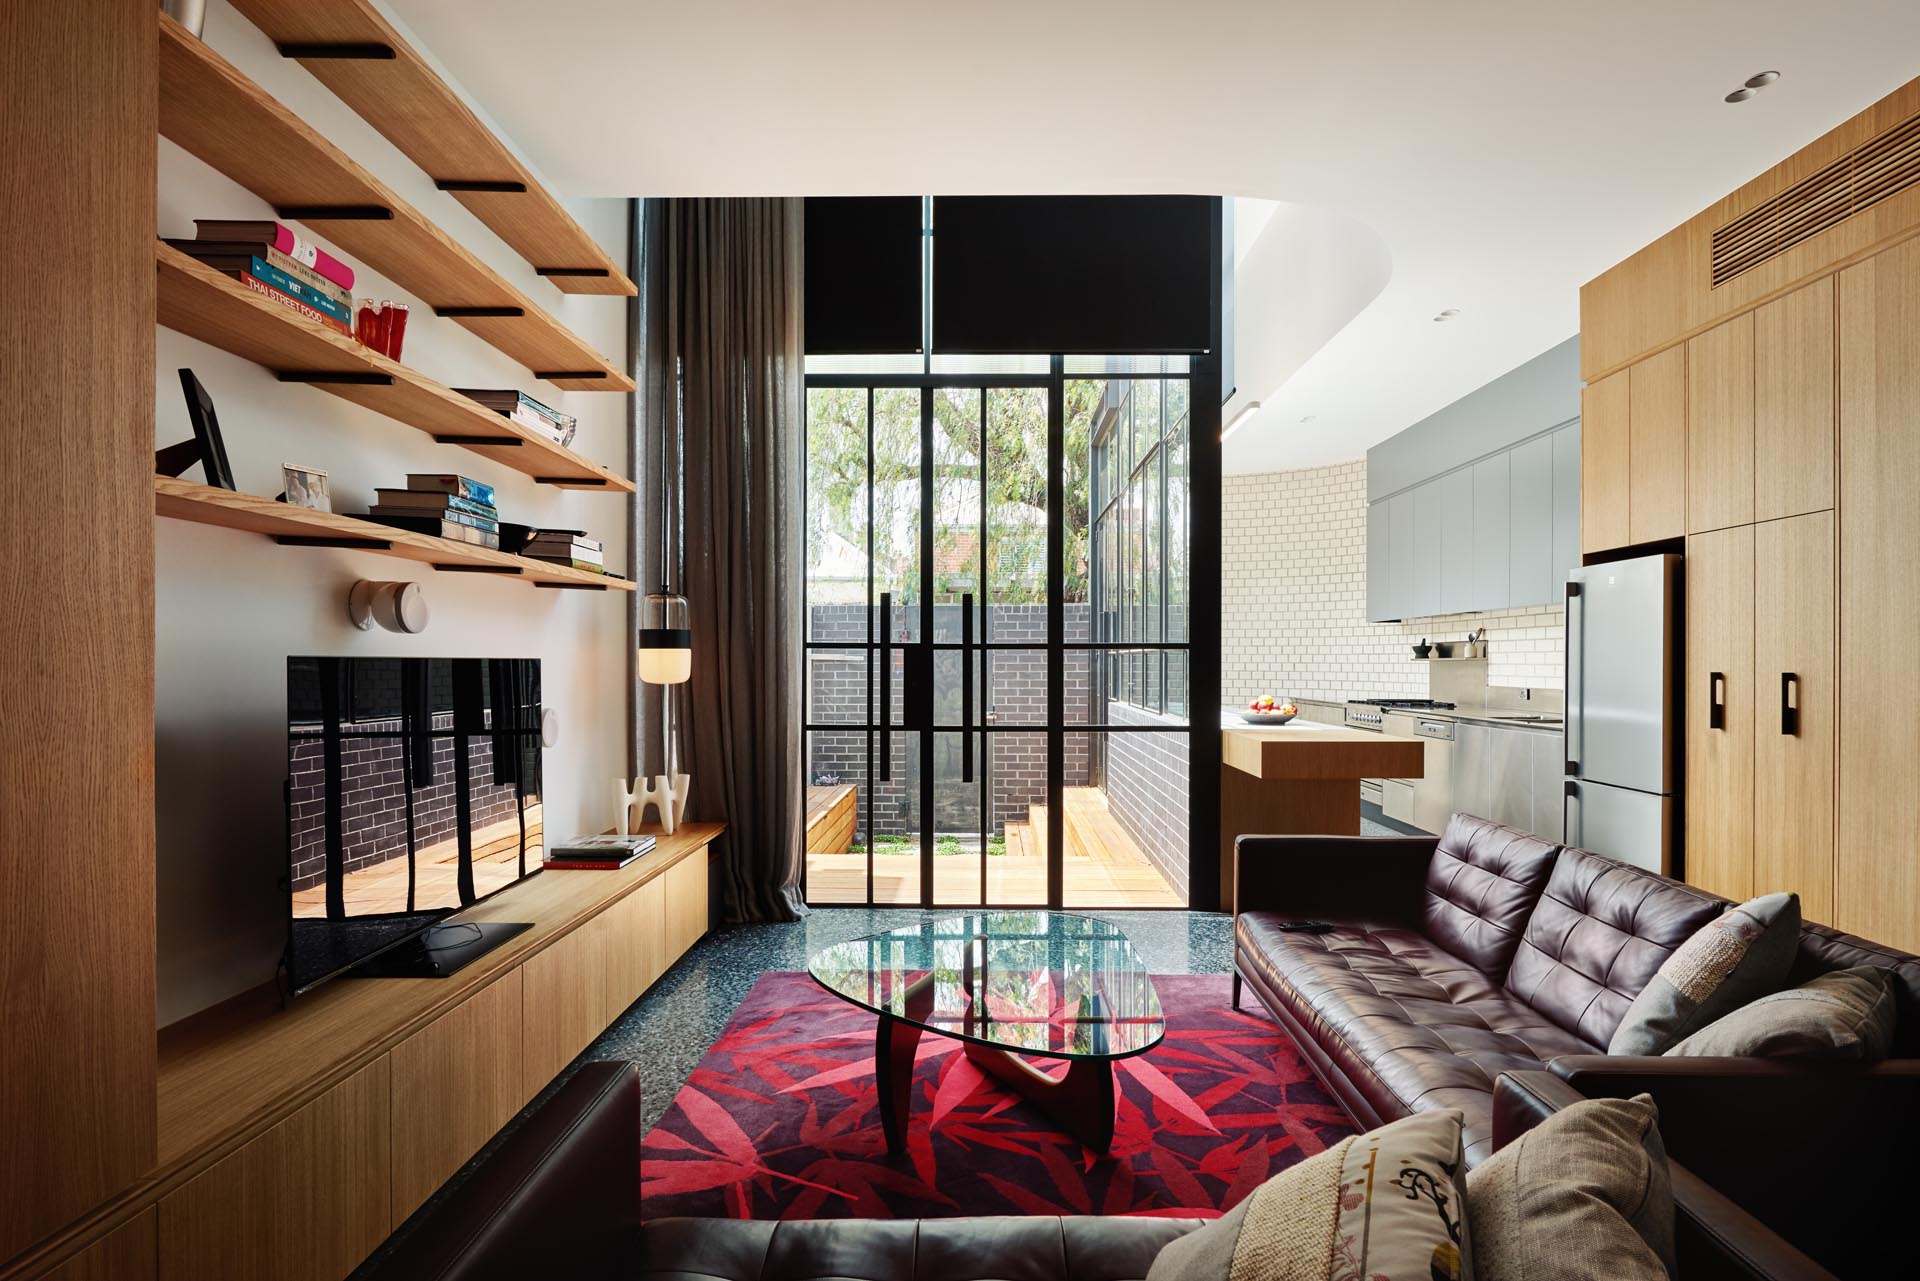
<point x="455" y="1083"/>
<point x="306" y="1201"/>
<point x="566" y="1001"/>
<point x="686" y="905"/>
<point x="636" y="942"/>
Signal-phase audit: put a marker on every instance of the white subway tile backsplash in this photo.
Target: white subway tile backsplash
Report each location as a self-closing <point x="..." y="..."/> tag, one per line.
<point x="1294" y="609"/>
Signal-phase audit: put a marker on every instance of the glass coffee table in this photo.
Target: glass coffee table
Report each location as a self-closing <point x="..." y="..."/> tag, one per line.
<point x="1047" y="985"/>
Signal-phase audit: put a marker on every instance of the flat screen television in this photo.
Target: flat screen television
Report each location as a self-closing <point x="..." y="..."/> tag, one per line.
<point x="413" y="793"/>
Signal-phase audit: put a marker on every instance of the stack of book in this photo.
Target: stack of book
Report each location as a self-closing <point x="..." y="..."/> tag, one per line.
<point x="271" y="260"/>
<point x="570" y="547"/>
<point x="525" y="410"/>
<point x="444" y="506"/>
<point x="603" y="852"/>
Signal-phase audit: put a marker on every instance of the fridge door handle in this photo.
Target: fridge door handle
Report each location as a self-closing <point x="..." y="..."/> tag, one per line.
<point x="1789" y="703"/>
<point x="1716" y="700"/>
<point x="1576" y="641"/>
<point x="1572" y="824"/>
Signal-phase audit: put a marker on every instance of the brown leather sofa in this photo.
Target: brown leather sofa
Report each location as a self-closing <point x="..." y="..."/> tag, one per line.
<point x="1453" y="959"/>
<point x="560" y="1199"/>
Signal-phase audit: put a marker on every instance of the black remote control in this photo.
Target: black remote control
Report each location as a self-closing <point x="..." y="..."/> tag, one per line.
<point x="1307" y="927"/>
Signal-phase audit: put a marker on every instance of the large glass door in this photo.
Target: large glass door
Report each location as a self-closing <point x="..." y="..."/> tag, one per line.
<point x="995" y="644"/>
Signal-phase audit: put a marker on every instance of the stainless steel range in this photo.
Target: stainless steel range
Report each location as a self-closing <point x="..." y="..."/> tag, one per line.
<point x="1370" y="713"/>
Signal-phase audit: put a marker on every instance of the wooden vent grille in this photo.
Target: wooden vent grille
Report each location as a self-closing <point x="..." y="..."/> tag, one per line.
<point x="1863" y="177"/>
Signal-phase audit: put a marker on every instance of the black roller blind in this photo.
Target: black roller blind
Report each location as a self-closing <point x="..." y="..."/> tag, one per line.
<point x="862" y="275"/>
<point x="1093" y="274"/>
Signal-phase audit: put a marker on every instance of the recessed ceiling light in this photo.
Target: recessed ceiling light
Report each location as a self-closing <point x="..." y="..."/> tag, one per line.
<point x="1446" y="315"/>
<point x="1247" y="411"/>
<point x="1741" y="95"/>
<point x="1762" y="80"/>
<point x="1307" y="418"/>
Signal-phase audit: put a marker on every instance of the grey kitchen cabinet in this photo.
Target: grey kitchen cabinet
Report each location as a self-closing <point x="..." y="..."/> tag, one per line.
<point x="1566" y="507"/>
<point x="1490" y="521"/>
<point x="1380" y="562"/>
<point x="1426" y="551"/>
<point x="1530" y="532"/>
<point x="1493" y="774"/>
<point x="1457" y="594"/>
<point x="1401" y="542"/>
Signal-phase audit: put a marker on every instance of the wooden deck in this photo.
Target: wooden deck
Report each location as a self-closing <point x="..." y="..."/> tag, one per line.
<point x="1104" y="867"/>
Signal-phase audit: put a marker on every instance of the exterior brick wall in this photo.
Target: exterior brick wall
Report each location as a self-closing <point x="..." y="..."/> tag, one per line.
<point x="1146" y="786"/>
<point x="1294" y="601"/>
<point x="373" y="803"/>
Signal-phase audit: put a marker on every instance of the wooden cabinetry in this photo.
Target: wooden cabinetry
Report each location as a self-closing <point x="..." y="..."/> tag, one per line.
<point x="455" y="1082"/>
<point x="131" y="1252"/>
<point x="1793" y="403"/>
<point x="1794" y="706"/>
<point x="1719" y="715"/>
<point x="1877" y="870"/>
<point x="566" y="1002"/>
<point x="1604" y="476"/>
<point x="1720" y="426"/>
<point x="636" y="944"/>
<point x="306" y="1201"/>
<point x="1760" y="714"/>
<point x="1657" y="449"/>
<point x="686" y="905"/>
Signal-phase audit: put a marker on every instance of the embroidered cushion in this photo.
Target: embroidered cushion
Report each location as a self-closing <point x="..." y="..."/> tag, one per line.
<point x="1586" y="1195"/>
<point x="1383" y="1206"/>
<point x="1843" y="1015"/>
<point x="1739" y="956"/>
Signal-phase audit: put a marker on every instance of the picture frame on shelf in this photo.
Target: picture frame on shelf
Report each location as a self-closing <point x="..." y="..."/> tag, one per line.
<point x="206" y="448"/>
<point x="306" y="487"/>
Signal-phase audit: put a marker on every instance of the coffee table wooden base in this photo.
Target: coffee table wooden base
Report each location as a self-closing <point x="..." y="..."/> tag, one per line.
<point x="1081" y="1102"/>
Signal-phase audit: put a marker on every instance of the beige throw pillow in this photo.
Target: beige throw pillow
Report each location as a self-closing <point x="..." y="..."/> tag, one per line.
<point x="1586" y="1195"/>
<point x="1742" y="954"/>
<point x="1845" y="1016"/>
<point x="1383" y="1206"/>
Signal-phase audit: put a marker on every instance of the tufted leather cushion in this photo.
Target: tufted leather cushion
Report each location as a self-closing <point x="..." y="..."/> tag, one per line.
<point x="1596" y="937"/>
<point x="1482" y="884"/>
<point x="984" y="1249"/>
<point x="1411" y="1025"/>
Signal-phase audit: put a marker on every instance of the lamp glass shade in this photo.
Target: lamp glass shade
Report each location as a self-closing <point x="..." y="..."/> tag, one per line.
<point x="666" y="640"/>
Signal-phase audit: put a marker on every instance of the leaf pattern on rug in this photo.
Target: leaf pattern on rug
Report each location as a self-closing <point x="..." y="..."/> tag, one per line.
<point x="780" y="1120"/>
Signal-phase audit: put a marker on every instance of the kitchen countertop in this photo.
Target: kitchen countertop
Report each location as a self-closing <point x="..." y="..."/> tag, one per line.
<point x="1307" y="750"/>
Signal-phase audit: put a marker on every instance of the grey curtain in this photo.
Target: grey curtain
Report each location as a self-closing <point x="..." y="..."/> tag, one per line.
<point x="720" y="336"/>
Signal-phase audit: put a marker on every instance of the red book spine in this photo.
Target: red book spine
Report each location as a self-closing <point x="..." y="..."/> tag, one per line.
<point x="293" y="304"/>
<point x="305" y="251"/>
<point x="597" y="864"/>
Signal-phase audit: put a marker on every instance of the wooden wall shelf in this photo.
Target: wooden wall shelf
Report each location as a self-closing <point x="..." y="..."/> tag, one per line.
<point x="406" y="100"/>
<point x="200" y="302"/>
<point x="213" y="111"/>
<point x="207" y="505"/>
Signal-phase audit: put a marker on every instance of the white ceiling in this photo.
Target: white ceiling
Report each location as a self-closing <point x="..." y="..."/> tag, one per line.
<point x="1501" y="153"/>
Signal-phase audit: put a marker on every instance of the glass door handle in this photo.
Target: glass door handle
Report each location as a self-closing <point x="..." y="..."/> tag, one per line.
<point x="966" y="687"/>
<point x="886" y="687"/>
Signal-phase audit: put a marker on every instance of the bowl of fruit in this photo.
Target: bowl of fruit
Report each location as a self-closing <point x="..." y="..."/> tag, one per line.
<point x="1264" y="711"/>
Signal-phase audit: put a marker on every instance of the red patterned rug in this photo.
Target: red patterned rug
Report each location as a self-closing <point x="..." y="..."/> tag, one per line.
<point x="779" y="1120"/>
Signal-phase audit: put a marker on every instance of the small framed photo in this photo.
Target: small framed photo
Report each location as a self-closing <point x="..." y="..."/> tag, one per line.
<point x="306" y="487"/>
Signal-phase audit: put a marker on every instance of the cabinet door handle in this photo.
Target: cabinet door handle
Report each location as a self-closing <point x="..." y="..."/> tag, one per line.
<point x="1716" y="700"/>
<point x="1789" y="703"/>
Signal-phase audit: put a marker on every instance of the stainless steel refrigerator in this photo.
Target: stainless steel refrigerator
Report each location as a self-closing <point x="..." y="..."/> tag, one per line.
<point x="1623" y="710"/>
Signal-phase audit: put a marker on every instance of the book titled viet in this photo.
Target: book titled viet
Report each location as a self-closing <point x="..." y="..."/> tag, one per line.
<point x="279" y="236"/>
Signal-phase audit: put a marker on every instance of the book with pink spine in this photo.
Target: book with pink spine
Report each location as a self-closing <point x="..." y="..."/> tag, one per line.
<point x="279" y="236"/>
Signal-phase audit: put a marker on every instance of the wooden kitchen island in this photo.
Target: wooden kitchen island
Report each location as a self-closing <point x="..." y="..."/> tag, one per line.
<point x="1301" y="778"/>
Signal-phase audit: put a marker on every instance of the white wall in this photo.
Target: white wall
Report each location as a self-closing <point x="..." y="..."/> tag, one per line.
<point x="233" y="606"/>
<point x="1294" y="609"/>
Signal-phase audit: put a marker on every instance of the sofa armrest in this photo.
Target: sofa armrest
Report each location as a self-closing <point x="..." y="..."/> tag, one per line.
<point x="1751" y="1126"/>
<point x="1335" y="878"/>
<point x="559" y="1197"/>
<point x="1716" y="1237"/>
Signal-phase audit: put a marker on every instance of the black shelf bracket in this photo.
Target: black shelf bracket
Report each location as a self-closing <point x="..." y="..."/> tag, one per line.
<point x="575" y="587"/>
<point x="481" y="184"/>
<point x="359" y="544"/>
<point x="554" y="375"/>
<point x="458" y="312"/>
<point x="366" y="51"/>
<point x="347" y="377"/>
<point x="585" y="482"/>
<point x="480" y="569"/>
<point x="335" y="213"/>
<point x="600" y="272"/>
<point x="509" y="441"/>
